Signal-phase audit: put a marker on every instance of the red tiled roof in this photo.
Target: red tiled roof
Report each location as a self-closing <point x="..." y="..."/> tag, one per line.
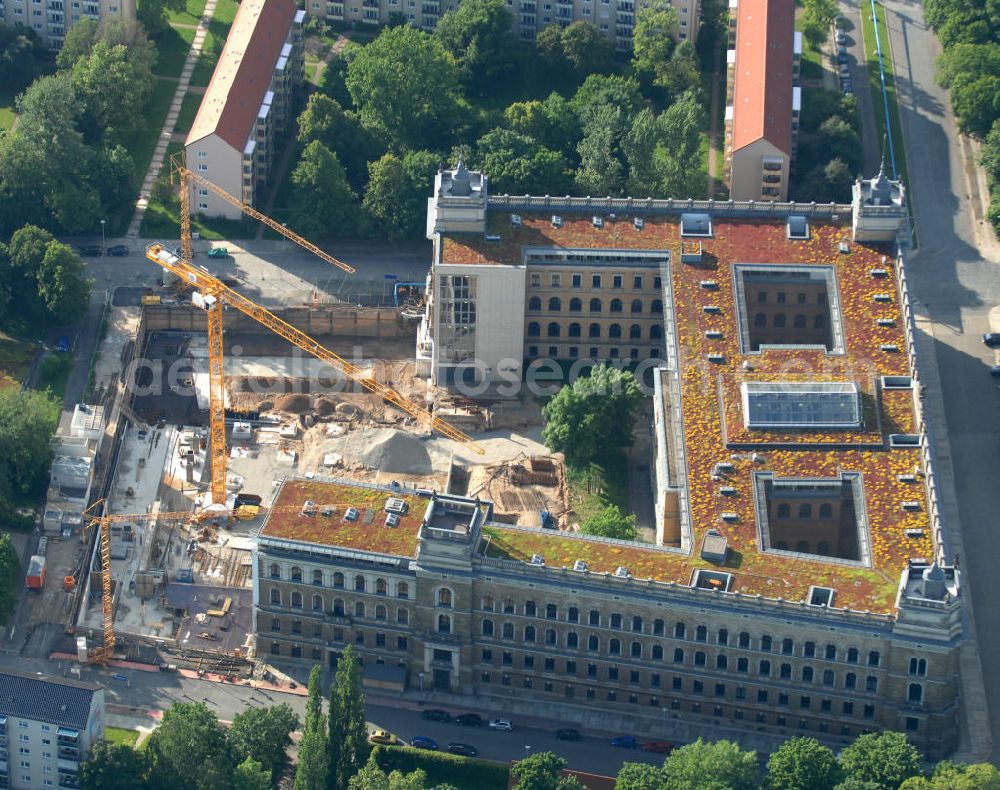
<point x="762" y="98"/>
<point x="243" y="74"/>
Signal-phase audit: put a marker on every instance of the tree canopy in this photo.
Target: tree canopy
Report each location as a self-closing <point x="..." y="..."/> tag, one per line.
<point x="314" y="763"/>
<point x="610" y="523"/>
<point x="479" y="36"/>
<point x="262" y="735"/>
<point x="189" y="750"/>
<point x="886" y="758"/>
<point x="114" y="766"/>
<point x="802" y="764"/>
<point x="323" y="204"/>
<point x="540" y="771"/>
<point x="348" y="746"/>
<point x="721" y="765"/>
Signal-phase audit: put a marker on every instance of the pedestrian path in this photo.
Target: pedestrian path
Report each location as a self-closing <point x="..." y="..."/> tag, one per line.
<point x="168" y="126"/>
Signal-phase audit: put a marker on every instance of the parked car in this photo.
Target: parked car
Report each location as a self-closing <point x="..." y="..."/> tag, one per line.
<point x="840" y="36"/>
<point x="434" y="714"/>
<point x="502" y="724"/>
<point x="90" y="251"/>
<point x="423" y="742"/>
<point x="845" y="71"/>
<point x="995" y="371"/>
<point x="847" y="86"/>
<point x="469" y="720"/>
<point x="841" y="54"/>
<point x="463" y="749"/>
<point x="568" y="734"/>
<point x="625" y="742"/>
<point x="992" y="339"/>
<point x="117" y="251"/>
<point x="658" y="747"/>
<point x="218" y="252"/>
<point x="383" y="737"/>
<point x="65" y="345"/>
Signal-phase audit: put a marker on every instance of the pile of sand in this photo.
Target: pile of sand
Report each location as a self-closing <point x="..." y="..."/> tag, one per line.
<point x="325" y="406"/>
<point x="396" y="451"/>
<point x="293" y="404"/>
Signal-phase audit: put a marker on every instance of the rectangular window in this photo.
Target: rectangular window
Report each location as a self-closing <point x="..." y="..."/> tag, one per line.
<point x="570" y="667"/>
<point x="487" y="655"/>
<point x="203" y="167"/>
<point x="550" y="665"/>
<point x="536" y="280"/>
<point x="555" y="280"/>
<point x="577" y="280"/>
<point x="612" y="673"/>
<point x="595" y="281"/>
<point x="616" y="281"/>
<point x="637" y="282"/>
<point x="203" y="206"/>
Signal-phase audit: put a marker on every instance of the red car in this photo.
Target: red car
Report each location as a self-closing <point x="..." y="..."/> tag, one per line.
<point x="658" y="747"/>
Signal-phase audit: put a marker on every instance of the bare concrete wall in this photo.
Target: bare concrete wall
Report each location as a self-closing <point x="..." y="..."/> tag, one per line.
<point x="368" y="322"/>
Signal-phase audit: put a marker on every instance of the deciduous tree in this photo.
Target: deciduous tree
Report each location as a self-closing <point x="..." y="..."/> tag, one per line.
<point x="518" y="165"/>
<point x="396" y="198"/>
<point x="62" y="284"/>
<point x="189" y="750"/>
<point x="610" y="522"/>
<point x="251" y="775"/>
<point x="721" y="765"/>
<point x="323" y="204"/>
<point x="885" y="758"/>
<point x="479" y="36"/>
<point x="540" y="771"/>
<point x="640" y="776"/>
<point x="313" y="767"/>
<point x="113" y="766"/>
<point x="262" y="735"/>
<point x="802" y="764"/>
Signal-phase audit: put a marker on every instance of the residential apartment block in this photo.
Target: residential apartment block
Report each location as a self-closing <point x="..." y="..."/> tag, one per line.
<point x="50" y="19"/>
<point x="614" y="18"/>
<point x="249" y="101"/>
<point x="763" y="98"/>
<point x="799" y="581"/>
<point x="47" y="726"/>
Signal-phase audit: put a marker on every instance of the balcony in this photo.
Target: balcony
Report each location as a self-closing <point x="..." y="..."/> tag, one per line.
<point x="68" y="766"/>
<point x="68" y="781"/>
<point x="69" y="753"/>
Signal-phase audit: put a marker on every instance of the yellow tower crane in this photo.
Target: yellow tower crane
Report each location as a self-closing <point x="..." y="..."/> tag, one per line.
<point x="210" y="294"/>
<point x="180" y="170"/>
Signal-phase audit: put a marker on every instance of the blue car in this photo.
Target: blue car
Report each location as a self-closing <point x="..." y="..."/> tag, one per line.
<point x="423" y="742"/>
<point x="65" y="345"/>
<point x="625" y="742"/>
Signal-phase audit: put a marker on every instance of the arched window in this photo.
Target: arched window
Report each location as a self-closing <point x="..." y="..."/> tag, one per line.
<point x="402" y="615"/>
<point x="530" y="610"/>
<point x="744" y="640"/>
<point x="595" y="330"/>
<point x="550" y="636"/>
<point x="338" y="580"/>
<point x="529" y="633"/>
<point x="402" y="590"/>
<point x="296" y="600"/>
<point x="615" y="647"/>
<point x="852" y="655"/>
<point x="508" y="606"/>
<point x="678" y="655"/>
<point x="595" y="305"/>
<point x="721" y="662"/>
<point x="318" y="578"/>
<point x="381" y="587"/>
<point x="593" y="643"/>
<point x="444" y="597"/>
<point x="555" y="304"/>
<point x="799" y="322"/>
<point x="787" y="646"/>
<point x="487" y="628"/>
<point x="534" y="329"/>
<point x="635" y="650"/>
<point x="275" y="596"/>
<point x="573" y="330"/>
<point x="275" y="571"/>
<point x="779" y="321"/>
<point x="657" y="306"/>
<point x="679" y="630"/>
<point x="915" y="693"/>
<point x="918" y="666"/>
<point x="658" y="627"/>
<point x="381" y="613"/>
<point x="535" y="303"/>
<point x="785" y="672"/>
<point x="826" y="510"/>
<point x="553" y="329"/>
<point x="819" y="322"/>
<point x="655" y="332"/>
<point x="723" y="636"/>
<point x="635" y="332"/>
<point x="359" y="583"/>
<point x="871" y="684"/>
<point x="807" y="674"/>
<point x="699" y="659"/>
<point x="764" y="668"/>
<point x="444" y="624"/>
<point x="359" y="609"/>
<point x="575" y="305"/>
<point x="338" y="607"/>
<point x="616" y="306"/>
<point x="784" y="510"/>
<point x="637" y="624"/>
<point x="828" y="677"/>
<point x="873" y="658"/>
<point x="508" y="630"/>
<point x="551" y="612"/>
<point x="572" y="640"/>
<point x="742" y="665"/>
<point x="615" y="330"/>
<point x="850" y="681"/>
<point x="657" y="653"/>
<point x="317" y="603"/>
<point x="701" y="634"/>
<point x="636" y="306"/>
<point x="831" y="653"/>
<point x="805" y="510"/>
<point x="760" y="320"/>
<point x="296" y="574"/>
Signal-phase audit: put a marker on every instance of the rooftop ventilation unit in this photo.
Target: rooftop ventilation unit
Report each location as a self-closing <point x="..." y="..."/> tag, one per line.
<point x="878" y="272"/>
<point x="581" y="566"/>
<point x="597" y="222"/>
<point x="309" y="508"/>
<point x="906" y="478"/>
<point x="515" y="220"/>
<point x="882" y="298"/>
<point x="557" y="221"/>
<point x="890" y="347"/>
<point x="730" y="516"/>
<point x="711" y="309"/>
<point x="493" y="237"/>
<point x="395" y="505"/>
<point x="537" y="559"/>
<point x="844" y="248"/>
<point x="713" y="334"/>
<point x="709" y="285"/>
<point x="885" y="321"/>
<point x="639" y="223"/>
<point x="622" y="572"/>
<point x="392" y="520"/>
<point x="352" y="514"/>
<point x="911" y="504"/>
<point x="821" y="596"/>
<point x="718" y="359"/>
<point x="913" y="533"/>
<point x="728" y="491"/>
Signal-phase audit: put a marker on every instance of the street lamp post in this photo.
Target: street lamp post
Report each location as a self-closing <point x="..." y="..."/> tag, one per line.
<point x="527" y="751"/>
<point x="103" y="244"/>
<point x="421" y="678"/>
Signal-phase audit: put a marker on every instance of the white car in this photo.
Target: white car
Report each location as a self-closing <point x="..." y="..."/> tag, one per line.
<point x="501" y="724"/>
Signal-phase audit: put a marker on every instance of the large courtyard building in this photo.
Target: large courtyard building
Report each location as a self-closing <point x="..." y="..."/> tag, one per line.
<point x="614" y="18"/>
<point x="799" y="581"/>
<point x="248" y="103"/>
<point x="763" y="98"/>
<point x="50" y="19"/>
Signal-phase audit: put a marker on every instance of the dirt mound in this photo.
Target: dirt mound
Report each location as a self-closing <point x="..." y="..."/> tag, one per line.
<point x="325" y="406"/>
<point x="396" y="451"/>
<point x="293" y="404"/>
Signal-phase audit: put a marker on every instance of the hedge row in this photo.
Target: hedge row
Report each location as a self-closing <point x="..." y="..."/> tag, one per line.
<point x="464" y="773"/>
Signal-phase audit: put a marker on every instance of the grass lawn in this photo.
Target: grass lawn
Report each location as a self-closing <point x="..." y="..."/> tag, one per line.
<point x="144" y="144"/>
<point x="218" y="29"/>
<point x="191" y="14"/>
<point x="189" y="109"/>
<point x="54" y="374"/>
<point x="7" y="114"/>
<point x="15" y="357"/>
<point x="173" y="47"/>
<point x="875" y="84"/>
<point x="162" y="221"/>
<point x="121" y="735"/>
<point x="600" y="485"/>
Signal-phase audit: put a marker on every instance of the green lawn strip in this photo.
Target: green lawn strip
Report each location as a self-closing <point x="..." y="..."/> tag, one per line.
<point x="15" y="357"/>
<point x="162" y="221"/>
<point x="121" y="736"/>
<point x="464" y="773"/>
<point x="875" y="84"/>
<point x="191" y="14"/>
<point x="54" y="374"/>
<point x="189" y="109"/>
<point x="601" y="484"/>
<point x="215" y="39"/>
<point x="7" y="114"/>
<point x="173" y="47"/>
<point x="142" y="144"/>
